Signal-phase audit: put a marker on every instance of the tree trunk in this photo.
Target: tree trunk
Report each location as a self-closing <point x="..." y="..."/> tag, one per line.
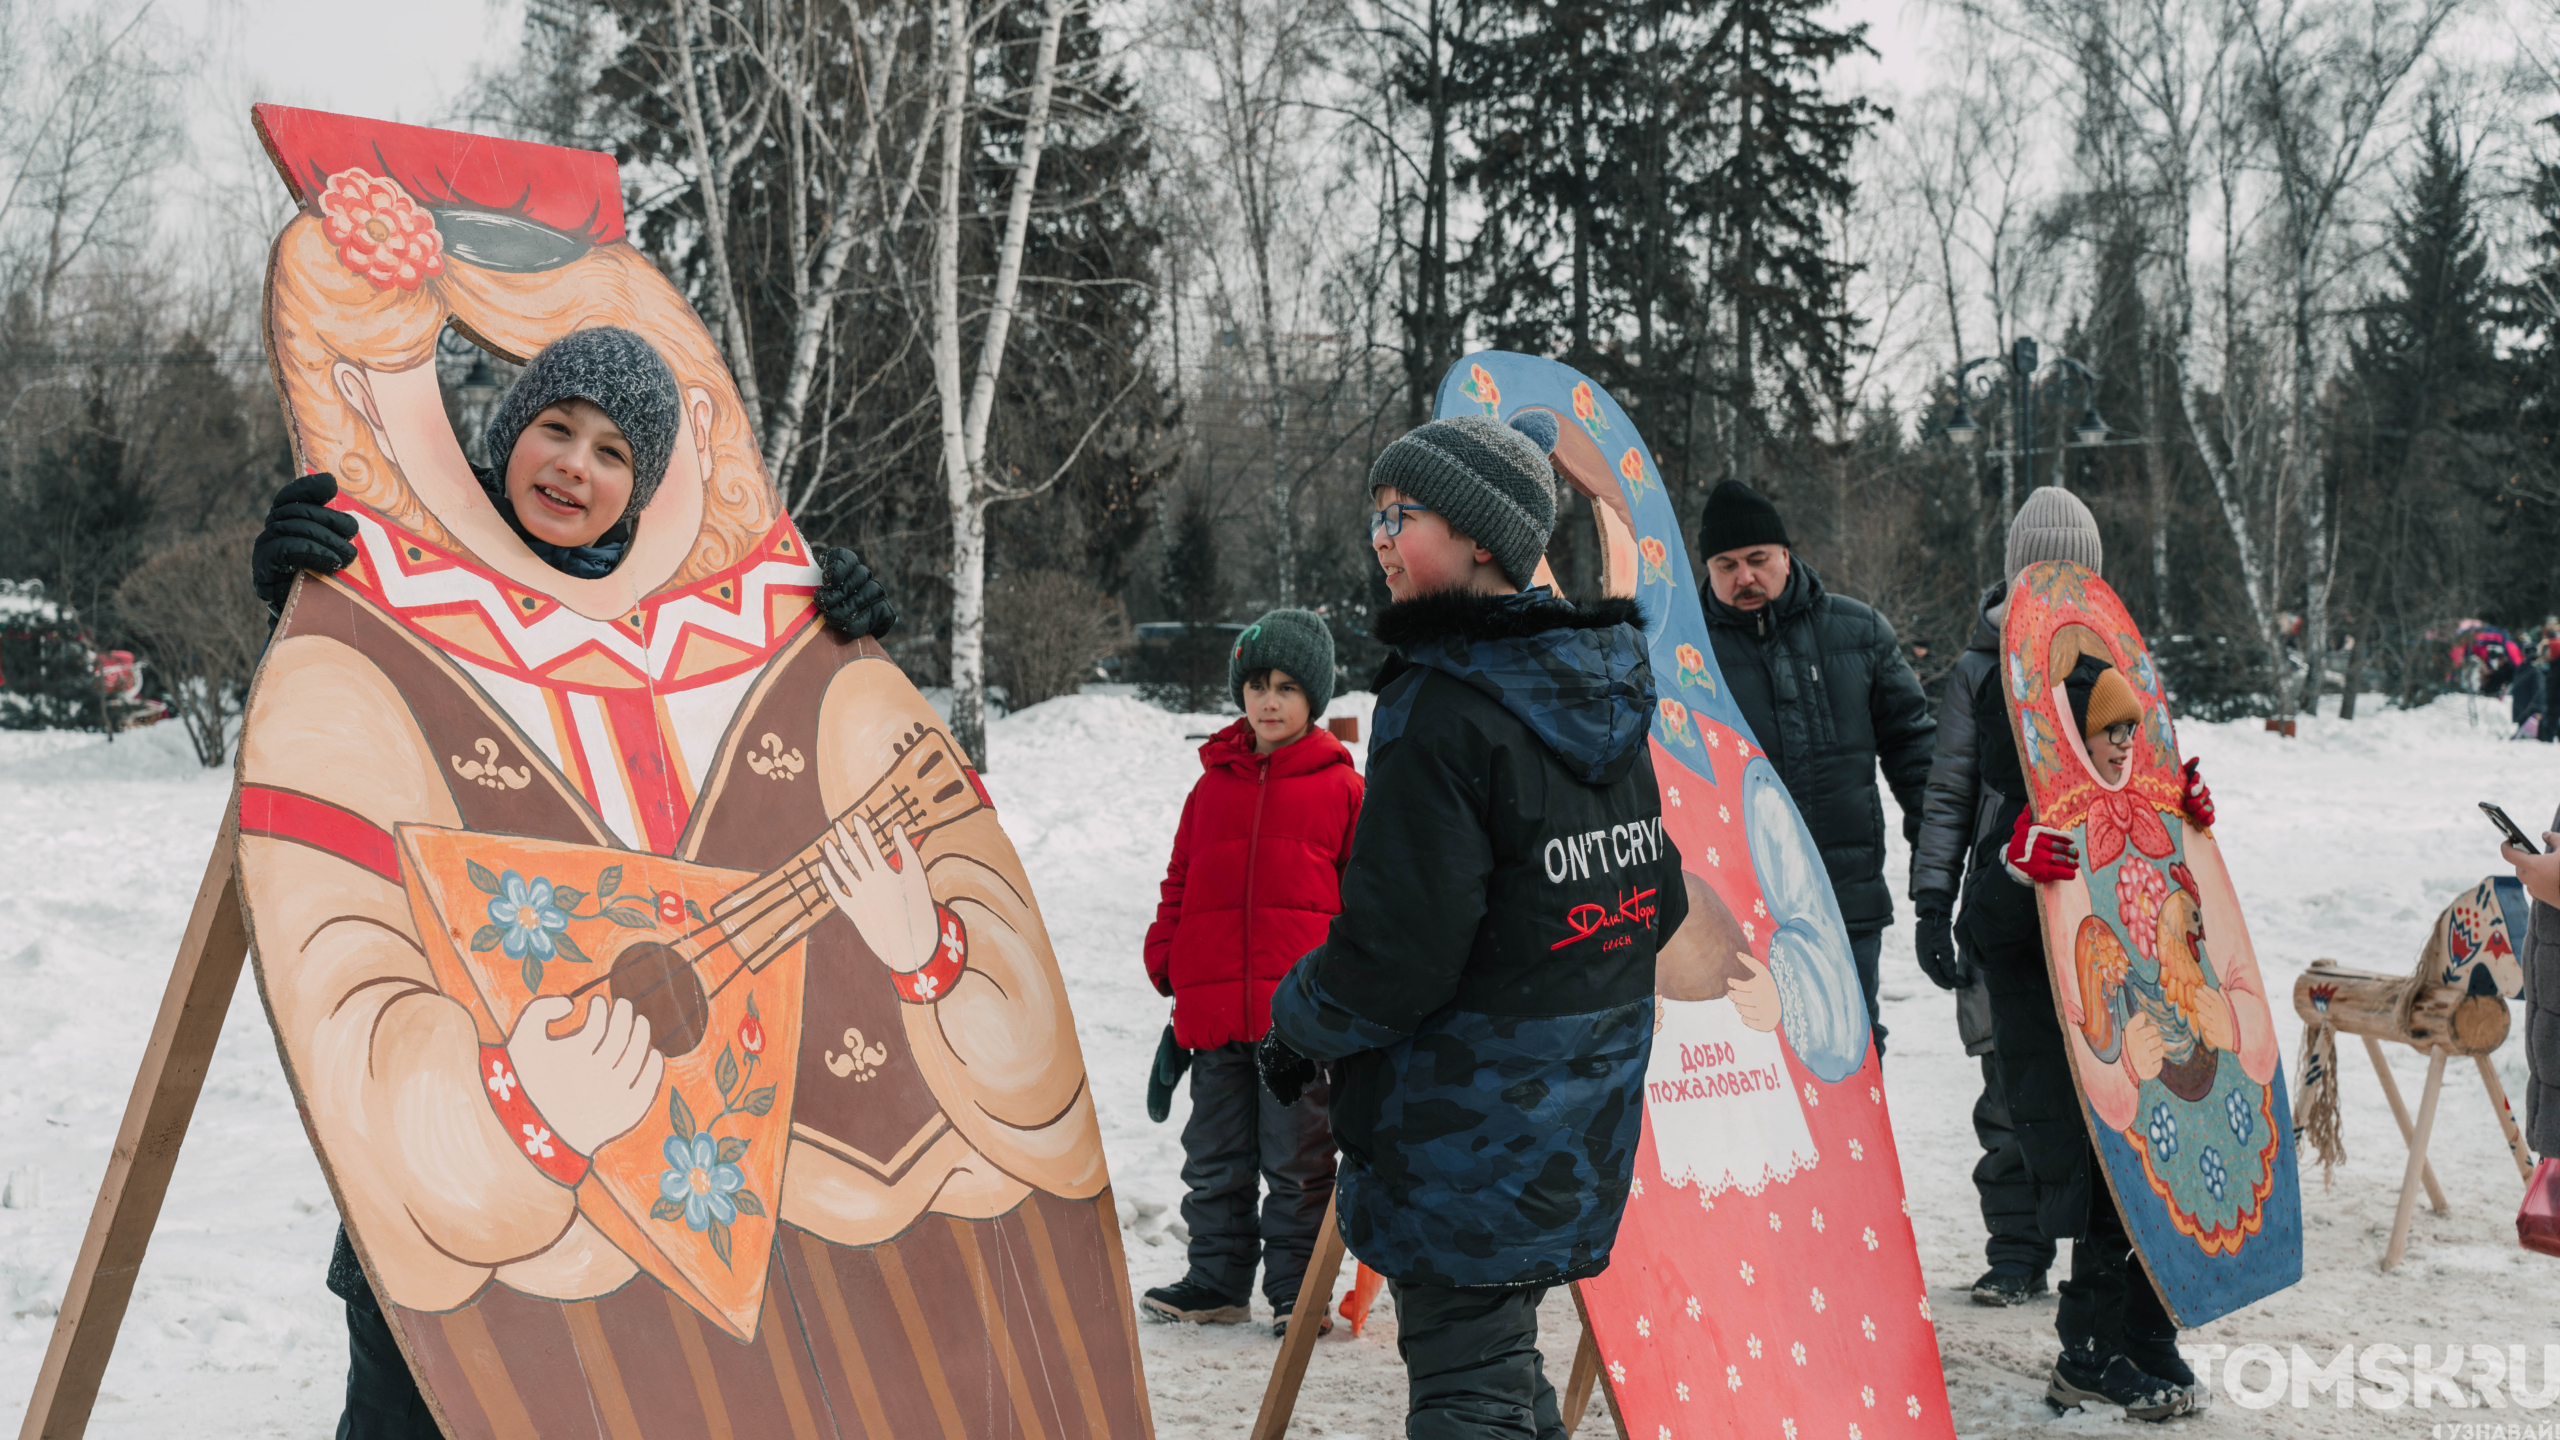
<point x="964" y="424"/>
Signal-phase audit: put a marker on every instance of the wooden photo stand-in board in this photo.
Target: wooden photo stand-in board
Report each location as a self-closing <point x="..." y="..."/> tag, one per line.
<point x="1765" y="1281"/>
<point x="852" y="1185"/>
<point x="2198" y="1147"/>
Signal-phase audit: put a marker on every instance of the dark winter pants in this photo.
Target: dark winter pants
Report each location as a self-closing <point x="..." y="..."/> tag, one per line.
<point x="2108" y="1304"/>
<point x="1866" y="950"/>
<point x="1237" y="1132"/>
<point x="2008" y="1192"/>
<point x="1471" y="1364"/>
<point x="383" y="1402"/>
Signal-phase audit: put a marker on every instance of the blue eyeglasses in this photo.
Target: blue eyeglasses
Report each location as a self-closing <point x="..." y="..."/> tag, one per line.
<point x="1389" y="521"/>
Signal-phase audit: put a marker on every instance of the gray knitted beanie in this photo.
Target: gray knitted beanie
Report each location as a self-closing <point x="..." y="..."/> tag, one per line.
<point x="620" y="374"/>
<point x="1489" y="480"/>
<point x="1296" y="642"/>
<point x="2053" y="525"/>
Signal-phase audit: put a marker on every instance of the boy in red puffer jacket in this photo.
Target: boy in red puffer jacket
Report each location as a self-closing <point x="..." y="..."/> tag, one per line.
<point x="1255" y="879"/>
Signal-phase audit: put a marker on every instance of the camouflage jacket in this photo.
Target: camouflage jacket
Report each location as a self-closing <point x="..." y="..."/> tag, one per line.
<point x="1486" y="993"/>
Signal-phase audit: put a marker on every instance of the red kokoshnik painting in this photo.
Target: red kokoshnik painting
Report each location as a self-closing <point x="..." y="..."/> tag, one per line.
<point x="864" y="1192"/>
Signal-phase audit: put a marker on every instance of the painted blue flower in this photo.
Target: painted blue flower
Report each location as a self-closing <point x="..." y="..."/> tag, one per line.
<point x="697" y="1179"/>
<point x="2215" y="1176"/>
<point x="2243" y="1115"/>
<point x="524" y="910"/>
<point x="2164" y="1132"/>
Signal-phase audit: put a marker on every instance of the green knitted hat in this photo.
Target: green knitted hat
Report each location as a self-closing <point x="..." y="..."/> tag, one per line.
<point x="1294" y="641"/>
<point x="1489" y="480"/>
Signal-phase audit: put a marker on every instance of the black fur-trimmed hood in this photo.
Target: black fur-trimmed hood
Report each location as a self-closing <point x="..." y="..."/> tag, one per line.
<point x="1576" y="675"/>
<point x="1470" y="615"/>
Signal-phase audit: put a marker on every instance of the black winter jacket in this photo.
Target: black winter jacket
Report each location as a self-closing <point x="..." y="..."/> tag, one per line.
<point x="1486" y="993"/>
<point x="1824" y="686"/>
<point x="1958" y="808"/>
<point x="2541" y="959"/>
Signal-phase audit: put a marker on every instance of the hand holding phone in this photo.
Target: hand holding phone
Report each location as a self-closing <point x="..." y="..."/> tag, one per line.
<point x="2515" y="836"/>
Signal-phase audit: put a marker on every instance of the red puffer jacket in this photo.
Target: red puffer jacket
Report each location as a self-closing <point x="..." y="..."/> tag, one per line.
<point x="1255" y="879"/>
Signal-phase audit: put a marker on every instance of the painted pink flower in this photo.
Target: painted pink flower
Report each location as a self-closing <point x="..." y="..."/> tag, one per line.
<point x="751" y="1034"/>
<point x="380" y="232"/>
<point x="670" y="908"/>
<point x="2140" y="892"/>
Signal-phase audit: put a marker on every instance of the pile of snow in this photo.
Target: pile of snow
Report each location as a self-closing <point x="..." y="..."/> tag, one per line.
<point x="2344" y="842"/>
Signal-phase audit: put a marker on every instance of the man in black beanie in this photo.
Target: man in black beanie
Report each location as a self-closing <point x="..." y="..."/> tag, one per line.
<point x="1822" y="682"/>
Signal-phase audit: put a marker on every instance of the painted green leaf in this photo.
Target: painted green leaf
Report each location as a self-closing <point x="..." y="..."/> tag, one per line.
<point x="732" y="1149"/>
<point x="696" y="912"/>
<point x="725" y="1074"/>
<point x="481" y="878"/>
<point x="566" y="898"/>
<point x="609" y="881"/>
<point x="720" y="1241"/>
<point x="486" y="938"/>
<point x="532" y="973"/>
<point x="569" y="948"/>
<point x="747" y="1202"/>
<point x="679" y="1114"/>
<point x="667" y="1209"/>
<point x="759" y="1101"/>
<point x="751" y="1004"/>
<point x="631" y="917"/>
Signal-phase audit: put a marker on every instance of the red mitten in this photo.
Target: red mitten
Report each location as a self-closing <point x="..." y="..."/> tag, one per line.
<point x="2198" y="801"/>
<point x="2039" y="854"/>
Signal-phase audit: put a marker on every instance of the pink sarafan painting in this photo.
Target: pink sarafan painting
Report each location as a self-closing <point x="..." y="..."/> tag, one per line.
<point x="643" y="1119"/>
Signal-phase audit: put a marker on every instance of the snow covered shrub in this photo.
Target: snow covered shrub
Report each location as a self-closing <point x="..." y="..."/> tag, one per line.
<point x="204" y="628"/>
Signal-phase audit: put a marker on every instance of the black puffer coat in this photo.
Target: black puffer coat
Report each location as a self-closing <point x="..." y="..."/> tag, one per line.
<point x="1958" y="808"/>
<point x="1828" y="694"/>
<point x="1486" y="992"/>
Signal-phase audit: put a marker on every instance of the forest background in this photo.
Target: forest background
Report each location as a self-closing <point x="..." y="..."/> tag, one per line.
<point x="1068" y="317"/>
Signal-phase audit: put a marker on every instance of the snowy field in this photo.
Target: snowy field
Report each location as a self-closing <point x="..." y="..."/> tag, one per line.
<point x="2344" y="843"/>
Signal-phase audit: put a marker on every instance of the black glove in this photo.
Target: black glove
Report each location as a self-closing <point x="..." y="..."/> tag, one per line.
<point x="1171" y="1060"/>
<point x="851" y="596"/>
<point x="1936" y="942"/>
<point x="302" y="533"/>
<point x="1285" y="1072"/>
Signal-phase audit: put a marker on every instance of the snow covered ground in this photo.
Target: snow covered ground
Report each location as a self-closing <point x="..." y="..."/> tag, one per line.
<point x="2344" y="842"/>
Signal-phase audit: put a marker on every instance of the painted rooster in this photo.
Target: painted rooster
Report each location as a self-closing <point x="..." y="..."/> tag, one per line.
<point x="2173" y="1021"/>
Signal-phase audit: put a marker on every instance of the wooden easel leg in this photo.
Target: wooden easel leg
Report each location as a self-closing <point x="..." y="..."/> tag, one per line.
<point x="1606" y="1392"/>
<point x="155" y="1121"/>
<point x="2408" y="1133"/>
<point x="1577" y="1389"/>
<point x="2506" y="1117"/>
<point x="1306" y="1321"/>
<point x="2417" y="1160"/>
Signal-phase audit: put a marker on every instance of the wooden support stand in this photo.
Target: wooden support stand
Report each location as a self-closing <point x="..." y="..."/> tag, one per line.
<point x="1306" y="1322"/>
<point x="2440" y="1021"/>
<point x="155" y="1122"/>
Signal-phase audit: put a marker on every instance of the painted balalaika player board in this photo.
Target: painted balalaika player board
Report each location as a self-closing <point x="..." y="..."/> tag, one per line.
<point x="1765" y="1284"/>
<point x="859" y="1189"/>
<point x="2195" y="1141"/>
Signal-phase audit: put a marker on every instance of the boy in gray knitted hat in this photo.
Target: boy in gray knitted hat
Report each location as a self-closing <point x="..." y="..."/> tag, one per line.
<point x="1488" y="1053"/>
<point x="578" y="447"/>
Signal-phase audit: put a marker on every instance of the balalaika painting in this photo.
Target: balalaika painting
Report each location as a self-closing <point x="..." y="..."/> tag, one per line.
<point x="852" y="1183"/>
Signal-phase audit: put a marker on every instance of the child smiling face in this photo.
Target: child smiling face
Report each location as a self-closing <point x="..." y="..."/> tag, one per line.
<point x="570" y="475"/>
<point x="2109" y="748"/>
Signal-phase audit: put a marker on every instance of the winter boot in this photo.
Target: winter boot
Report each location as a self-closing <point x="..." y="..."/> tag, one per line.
<point x="1281" y="1312"/>
<point x="2008" y="1284"/>
<point x="2087" y="1376"/>
<point x="1195" y="1303"/>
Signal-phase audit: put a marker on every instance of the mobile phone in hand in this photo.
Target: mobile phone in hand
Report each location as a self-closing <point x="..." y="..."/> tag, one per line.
<point x="2515" y="836"/>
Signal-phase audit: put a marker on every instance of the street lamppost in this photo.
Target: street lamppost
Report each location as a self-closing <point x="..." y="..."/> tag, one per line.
<point x="2017" y="373"/>
<point x="478" y="387"/>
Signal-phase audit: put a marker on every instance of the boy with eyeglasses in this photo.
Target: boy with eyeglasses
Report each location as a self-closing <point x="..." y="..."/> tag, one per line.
<point x="1488" y="1057"/>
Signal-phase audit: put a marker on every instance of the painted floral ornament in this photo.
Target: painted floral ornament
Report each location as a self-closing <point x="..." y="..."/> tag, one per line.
<point x="380" y="232"/>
